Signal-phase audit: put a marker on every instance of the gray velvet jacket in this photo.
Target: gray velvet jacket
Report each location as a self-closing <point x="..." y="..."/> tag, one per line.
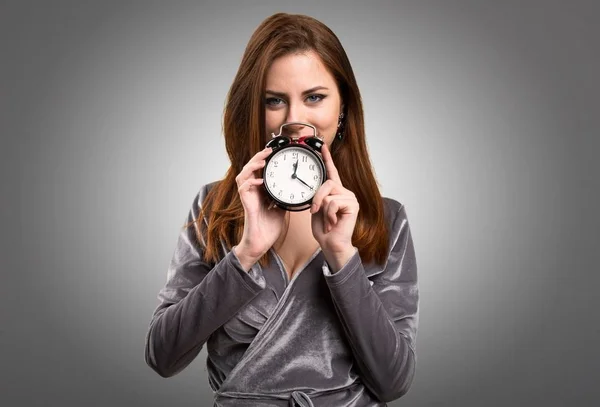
<point x="321" y="339"/>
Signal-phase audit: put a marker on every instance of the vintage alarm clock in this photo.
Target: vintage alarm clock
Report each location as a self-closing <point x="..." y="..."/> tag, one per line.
<point x="294" y="170"/>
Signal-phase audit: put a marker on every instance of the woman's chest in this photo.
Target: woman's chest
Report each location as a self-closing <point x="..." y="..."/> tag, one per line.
<point x="298" y="247"/>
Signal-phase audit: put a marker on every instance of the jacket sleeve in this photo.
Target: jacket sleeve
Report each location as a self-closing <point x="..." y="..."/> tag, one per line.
<point x="196" y="300"/>
<point x="380" y="314"/>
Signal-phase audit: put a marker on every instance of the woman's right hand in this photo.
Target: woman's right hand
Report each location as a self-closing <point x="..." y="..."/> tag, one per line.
<point x="262" y="226"/>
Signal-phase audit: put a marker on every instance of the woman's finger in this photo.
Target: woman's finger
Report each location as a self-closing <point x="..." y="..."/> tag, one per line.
<point x="330" y="209"/>
<point x="257" y="162"/>
<point x="249" y="183"/>
<point x="329" y="187"/>
<point x="248" y="171"/>
<point x="335" y="205"/>
<point x="332" y="172"/>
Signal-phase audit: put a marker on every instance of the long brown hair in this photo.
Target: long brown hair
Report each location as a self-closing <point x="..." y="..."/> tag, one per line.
<point x="244" y="131"/>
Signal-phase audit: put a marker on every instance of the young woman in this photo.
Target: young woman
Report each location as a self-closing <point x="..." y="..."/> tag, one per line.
<point x="314" y="307"/>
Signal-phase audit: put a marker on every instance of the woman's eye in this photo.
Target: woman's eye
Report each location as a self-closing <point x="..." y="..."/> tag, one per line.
<point x="315" y="98"/>
<point x="273" y="101"/>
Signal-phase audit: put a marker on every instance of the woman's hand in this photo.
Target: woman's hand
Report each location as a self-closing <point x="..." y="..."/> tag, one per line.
<point x="262" y="226"/>
<point x="334" y="214"/>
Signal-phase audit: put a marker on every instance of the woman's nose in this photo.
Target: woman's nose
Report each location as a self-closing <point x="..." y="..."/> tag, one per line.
<point x="296" y="113"/>
<point x="294" y="130"/>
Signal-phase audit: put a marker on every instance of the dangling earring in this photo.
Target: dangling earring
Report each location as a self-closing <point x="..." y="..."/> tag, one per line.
<point x="340" y="130"/>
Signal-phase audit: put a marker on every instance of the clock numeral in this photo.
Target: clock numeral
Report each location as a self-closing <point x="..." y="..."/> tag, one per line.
<point x="311" y="167"/>
<point x="291" y="196"/>
<point x="280" y="192"/>
<point x="316" y="177"/>
<point x="304" y="159"/>
<point x="294" y="154"/>
<point x="271" y="174"/>
<point x="275" y="163"/>
<point x="302" y="194"/>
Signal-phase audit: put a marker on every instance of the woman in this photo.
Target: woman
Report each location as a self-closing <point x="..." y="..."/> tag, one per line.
<point x="316" y="307"/>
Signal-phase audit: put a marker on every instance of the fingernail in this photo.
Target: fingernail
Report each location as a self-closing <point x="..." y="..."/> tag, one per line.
<point x="313" y="208"/>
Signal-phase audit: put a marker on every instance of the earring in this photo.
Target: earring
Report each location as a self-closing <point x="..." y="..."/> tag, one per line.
<point x="340" y="131"/>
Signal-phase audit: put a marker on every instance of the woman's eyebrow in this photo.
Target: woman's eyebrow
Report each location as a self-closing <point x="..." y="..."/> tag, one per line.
<point x="283" y="94"/>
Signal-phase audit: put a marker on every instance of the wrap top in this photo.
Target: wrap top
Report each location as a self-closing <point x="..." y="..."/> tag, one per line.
<point x="319" y="339"/>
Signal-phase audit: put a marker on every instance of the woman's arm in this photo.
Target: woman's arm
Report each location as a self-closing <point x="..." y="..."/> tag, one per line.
<point x="380" y="316"/>
<point x="196" y="300"/>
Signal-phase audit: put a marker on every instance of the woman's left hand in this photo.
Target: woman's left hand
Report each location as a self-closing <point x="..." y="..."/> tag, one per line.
<point x="334" y="212"/>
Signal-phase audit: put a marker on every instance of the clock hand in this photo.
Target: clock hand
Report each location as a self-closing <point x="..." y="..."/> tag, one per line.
<point x="303" y="182"/>
<point x="294" y="176"/>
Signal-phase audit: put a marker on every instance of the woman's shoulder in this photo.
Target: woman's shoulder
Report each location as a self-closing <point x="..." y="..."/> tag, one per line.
<point x="392" y="209"/>
<point x="204" y="190"/>
<point x="198" y="201"/>
<point x="202" y="193"/>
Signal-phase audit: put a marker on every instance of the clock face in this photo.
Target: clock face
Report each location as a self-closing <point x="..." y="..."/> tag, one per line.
<point x="290" y="185"/>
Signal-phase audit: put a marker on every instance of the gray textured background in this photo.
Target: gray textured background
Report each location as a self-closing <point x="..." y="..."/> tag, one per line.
<point x="482" y="118"/>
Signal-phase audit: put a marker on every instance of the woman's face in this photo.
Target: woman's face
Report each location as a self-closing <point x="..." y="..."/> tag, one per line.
<point x="300" y="89"/>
